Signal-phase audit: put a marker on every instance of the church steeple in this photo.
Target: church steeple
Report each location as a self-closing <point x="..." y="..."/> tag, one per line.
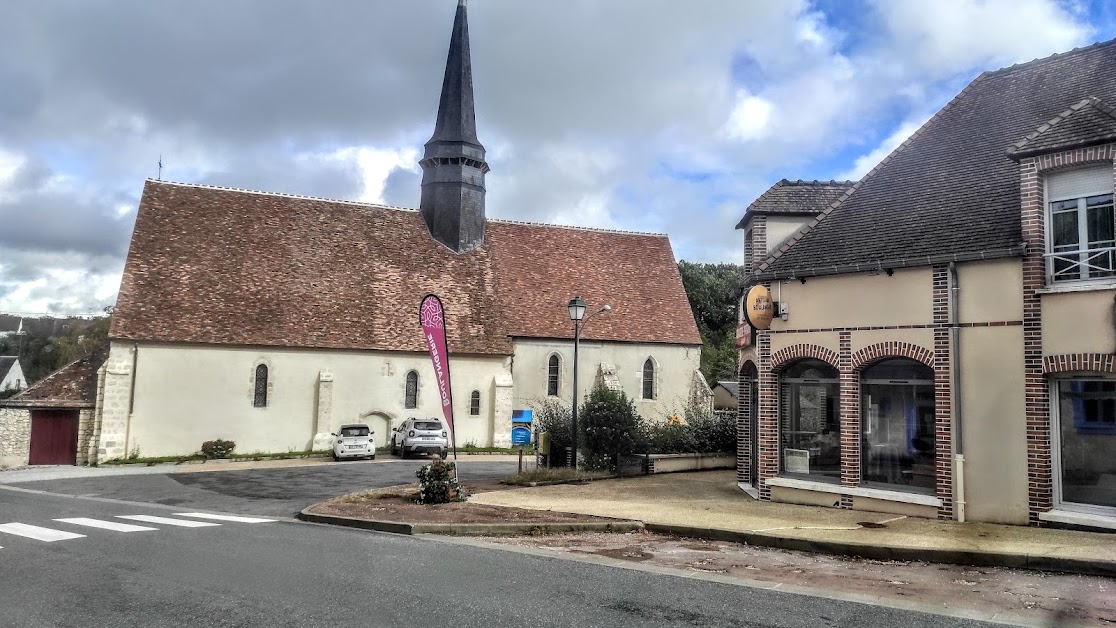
<point x="453" y="165"/>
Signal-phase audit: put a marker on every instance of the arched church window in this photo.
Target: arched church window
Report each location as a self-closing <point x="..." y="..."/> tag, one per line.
<point x="410" y="399"/>
<point x="259" y="399"/>
<point x="648" y="391"/>
<point x="552" y="377"/>
<point x="474" y="403"/>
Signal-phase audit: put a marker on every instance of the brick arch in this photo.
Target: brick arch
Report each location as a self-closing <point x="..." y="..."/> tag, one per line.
<point x="1069" y="362"/>
<point x="748" y="369"/>
<point x="891" y="349"/>
<point x="783" y="357"/>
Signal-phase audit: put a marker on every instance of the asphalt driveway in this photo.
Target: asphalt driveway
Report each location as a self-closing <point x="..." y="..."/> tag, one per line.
<point x="280" y="492"/>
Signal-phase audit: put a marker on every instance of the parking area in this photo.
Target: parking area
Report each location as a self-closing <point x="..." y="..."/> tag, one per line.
<point x="280" y="491"/>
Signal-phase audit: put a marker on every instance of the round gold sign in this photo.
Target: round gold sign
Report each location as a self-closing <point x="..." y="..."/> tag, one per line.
<point x="758" y="309"/>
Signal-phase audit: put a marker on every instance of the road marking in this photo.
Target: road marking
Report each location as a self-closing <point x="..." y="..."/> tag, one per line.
<point x="106" y="525"/>
<point x="167" y="521"/>
<point x="206" y="515"/>
<point x="37" y="533"/>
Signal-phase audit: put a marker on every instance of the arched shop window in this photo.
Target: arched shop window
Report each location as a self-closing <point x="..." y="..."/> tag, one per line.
<point x="897" y="426"/>
<point x="810" y="421"/>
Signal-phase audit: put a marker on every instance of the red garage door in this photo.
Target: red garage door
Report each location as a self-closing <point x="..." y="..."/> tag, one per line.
<point x="54" y="436"/>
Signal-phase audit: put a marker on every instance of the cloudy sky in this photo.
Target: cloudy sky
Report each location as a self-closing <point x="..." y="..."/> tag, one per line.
<point x="649" y="115"/>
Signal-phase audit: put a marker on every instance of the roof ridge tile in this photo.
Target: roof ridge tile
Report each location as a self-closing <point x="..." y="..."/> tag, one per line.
<point x="305" y="197"/>
<point x="576" y="228"/>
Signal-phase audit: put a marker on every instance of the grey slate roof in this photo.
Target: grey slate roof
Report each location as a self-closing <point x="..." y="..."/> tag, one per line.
<point x="1087" y="123"/>
<point x="951" y="188"/>
<point x="796" y="197"/>
<point x="730" y="386"/>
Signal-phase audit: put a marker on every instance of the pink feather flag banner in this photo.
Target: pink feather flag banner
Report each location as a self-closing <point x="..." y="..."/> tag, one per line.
<point x="432" y="318"/>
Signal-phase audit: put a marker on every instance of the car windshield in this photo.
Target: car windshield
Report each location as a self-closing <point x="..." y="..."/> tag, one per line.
<point x="428" y="425"/>
<point x="354" y="431"/>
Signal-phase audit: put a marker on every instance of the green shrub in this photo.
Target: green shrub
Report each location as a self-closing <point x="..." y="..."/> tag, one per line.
<point x="554" y="418"/>
<point x="212" y="449"/>
<point x="612" y="428"/>
<point x="669" y="438"/>
<point x="438" y="484"/>
<point x="713" y="432"/>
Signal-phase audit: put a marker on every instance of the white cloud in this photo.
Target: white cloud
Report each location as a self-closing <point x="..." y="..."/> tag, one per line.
<point x="374" y="164"/>
<point x="866" y="162"/>
<point x="10" y="163"/>
<point x="750" y="118"/>
<point x="946" y="37"/>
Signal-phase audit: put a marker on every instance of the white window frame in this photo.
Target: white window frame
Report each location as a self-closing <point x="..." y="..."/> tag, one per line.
<point x="1056" y="447"/>
<point x="1079" y="192"/>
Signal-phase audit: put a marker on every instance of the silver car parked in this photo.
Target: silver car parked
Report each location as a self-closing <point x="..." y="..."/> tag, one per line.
<point x="424" y="436"/>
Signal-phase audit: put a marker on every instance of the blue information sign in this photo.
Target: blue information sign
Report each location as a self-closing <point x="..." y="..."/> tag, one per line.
<point x="521" y="435"/>
<point x="522" y="416"/>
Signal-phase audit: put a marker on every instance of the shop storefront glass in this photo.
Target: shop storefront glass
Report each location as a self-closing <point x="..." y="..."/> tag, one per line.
<point x="809" y="421"/>
<point x="1086" y="417"/>
<point x="897" y="426"/>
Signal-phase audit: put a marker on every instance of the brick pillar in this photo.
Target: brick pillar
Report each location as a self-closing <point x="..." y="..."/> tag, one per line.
<point x="744" y="424"/>
<point x="759" y="240"/>
<point x="768" y="415"/>
<point x="943" y="401"/>
<point x="850" y="418"/>
<point x="1040" y="489"/>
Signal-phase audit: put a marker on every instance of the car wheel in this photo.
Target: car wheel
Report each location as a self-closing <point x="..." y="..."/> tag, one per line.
<point x="372" y="457"/>
<point x="444" y="454"/>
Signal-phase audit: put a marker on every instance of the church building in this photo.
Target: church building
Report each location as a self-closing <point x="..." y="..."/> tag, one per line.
<point x="272" y="319"/>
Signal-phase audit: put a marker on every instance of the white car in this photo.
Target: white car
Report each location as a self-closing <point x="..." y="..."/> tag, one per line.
<point x="354" y="441"/>
<point x="420" y="436"/>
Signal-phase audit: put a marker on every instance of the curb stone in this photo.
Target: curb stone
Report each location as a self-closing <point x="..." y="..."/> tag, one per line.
<point x="472" y="529"/>
<point x="976" y="558"/>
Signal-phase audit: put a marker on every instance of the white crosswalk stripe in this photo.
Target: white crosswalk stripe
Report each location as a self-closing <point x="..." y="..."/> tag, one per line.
<point x="206" y="515"/>
<point x="182" y="523"/>
<point x="106" y="525"/>
<point x="39" y="534"/>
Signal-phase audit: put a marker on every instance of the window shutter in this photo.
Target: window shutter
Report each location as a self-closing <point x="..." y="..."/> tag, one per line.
<point x="1079" y="182"/>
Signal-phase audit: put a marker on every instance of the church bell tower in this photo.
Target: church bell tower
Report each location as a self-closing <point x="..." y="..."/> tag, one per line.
<point x="453" y="165"/>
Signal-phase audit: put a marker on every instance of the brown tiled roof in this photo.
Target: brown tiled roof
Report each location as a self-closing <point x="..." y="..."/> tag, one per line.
<point x="218" y="266"/>
<point x="951" y="188"/>
<point x="72" y="386"/>
<point x="541" y="267"/>
<point x="1086" y="123"/>
<point x="796" y="198"/>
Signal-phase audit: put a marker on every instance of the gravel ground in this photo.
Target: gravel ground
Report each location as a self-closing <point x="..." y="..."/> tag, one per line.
<point x="1045" y="598"/>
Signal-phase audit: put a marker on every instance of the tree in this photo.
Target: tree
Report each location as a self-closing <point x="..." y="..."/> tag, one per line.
<point x="49" y="343"/>
<point x="711" y="290"/>
<point x="611" y="425"/>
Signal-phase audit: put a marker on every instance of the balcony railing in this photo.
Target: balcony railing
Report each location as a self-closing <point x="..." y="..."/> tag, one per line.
<point x="1081" y="264"/>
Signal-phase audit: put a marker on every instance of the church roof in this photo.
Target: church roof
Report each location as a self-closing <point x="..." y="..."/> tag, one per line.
<point x="950" y="189"/>
<point x="796" y="198"/>
<point x="220" y="266"/>
<point x="72" y="386"/>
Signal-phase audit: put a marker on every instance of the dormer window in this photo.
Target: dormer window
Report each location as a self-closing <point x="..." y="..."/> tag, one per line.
<point x="1081" y="227"/>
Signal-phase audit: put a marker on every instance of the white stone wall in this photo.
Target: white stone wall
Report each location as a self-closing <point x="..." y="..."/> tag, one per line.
<point x="185" y="395"/>
<point x="15" y="437"/>
<point x="675" y="366"/>
<point x="14" y="378"/>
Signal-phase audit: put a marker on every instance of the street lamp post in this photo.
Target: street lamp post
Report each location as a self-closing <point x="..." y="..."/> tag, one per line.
<point x="577" y="313"/>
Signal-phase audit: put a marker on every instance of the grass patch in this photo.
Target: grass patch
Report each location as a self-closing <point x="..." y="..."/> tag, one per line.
<point x="560" y="474"/>
<point x="149" y="461"/>
<point x="469" y="448"/>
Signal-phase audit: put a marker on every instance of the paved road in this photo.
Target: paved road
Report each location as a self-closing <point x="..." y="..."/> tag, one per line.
<point x="287" y="573"/>
<point x="272" y="492"/>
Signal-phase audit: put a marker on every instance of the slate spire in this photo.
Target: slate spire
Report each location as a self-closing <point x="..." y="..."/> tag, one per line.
<point x="453" y="165"/>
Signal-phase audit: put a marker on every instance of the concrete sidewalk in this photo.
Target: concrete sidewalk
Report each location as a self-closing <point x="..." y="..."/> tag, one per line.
<point x="709" y="505"/>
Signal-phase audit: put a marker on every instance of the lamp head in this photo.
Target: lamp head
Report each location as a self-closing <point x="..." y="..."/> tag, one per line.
<point x="577" y="308"/>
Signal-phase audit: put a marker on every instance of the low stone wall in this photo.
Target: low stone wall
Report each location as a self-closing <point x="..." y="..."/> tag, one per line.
<point x="674" y="463"/>
<point x="15" y="437"/>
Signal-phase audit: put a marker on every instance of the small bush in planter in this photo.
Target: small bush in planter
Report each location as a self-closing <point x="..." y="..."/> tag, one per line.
<point x="213" y="449"/>
<point x="438" y="484"/>
<point x="612" y="428"/>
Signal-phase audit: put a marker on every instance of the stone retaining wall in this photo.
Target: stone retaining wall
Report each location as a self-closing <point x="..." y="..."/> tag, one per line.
<point x="15" y="437"/>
